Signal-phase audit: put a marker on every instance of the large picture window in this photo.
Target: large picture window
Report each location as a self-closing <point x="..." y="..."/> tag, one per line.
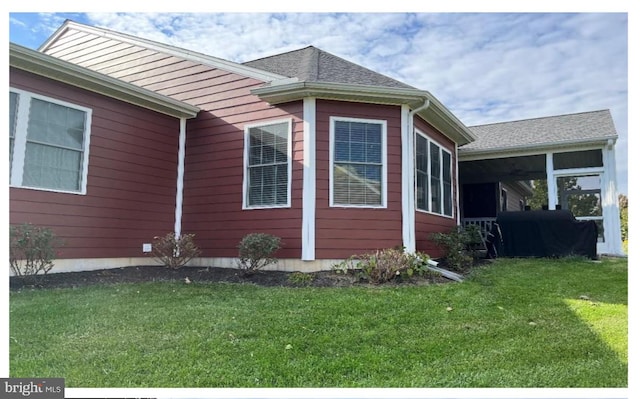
<point x="358" y="162"/>
<point x="48" y="143"/>
<point x="268" y="165"/>
<point x="433" y="177"/>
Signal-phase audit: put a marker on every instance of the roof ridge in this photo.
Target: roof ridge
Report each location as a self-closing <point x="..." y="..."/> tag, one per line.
<point x="279" y="54"/>
<point x="541" y="117"/>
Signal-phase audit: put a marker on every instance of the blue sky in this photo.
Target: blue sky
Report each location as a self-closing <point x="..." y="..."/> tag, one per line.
<point x="485" y="67"/>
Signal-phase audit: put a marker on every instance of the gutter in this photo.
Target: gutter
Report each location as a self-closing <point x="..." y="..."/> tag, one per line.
<point x="472" y="155"/>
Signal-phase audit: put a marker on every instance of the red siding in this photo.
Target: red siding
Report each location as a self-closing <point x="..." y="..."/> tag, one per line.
<point x="131" y="181"/>
<point x="427" y="223"/>
<point x="342" y="232"/>
<point x="214" y="169"/>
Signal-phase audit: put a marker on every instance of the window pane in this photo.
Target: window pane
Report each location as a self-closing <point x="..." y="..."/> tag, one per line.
<point x="56" y="124"/>
<point x="422" y="191"/>
<point x="580" y="194"/>
<point x="436" y="195"/>
<point x="357" y="184"/>
<point x="13" y="108"/>
<point x="268" y="172"/>
<point x="447" y="194"/>
<point x="51" y="167"/>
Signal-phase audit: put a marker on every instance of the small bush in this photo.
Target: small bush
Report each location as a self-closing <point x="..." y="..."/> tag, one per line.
<point x="384" y="265"/>
<point x="32" y="249"/>
<point x="459" y="246"/>
<point x="174" y="252"/>
<point x="256" y="251"/>
<point x="300" y="279"/>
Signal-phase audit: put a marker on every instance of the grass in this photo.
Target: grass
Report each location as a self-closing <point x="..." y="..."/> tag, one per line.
<point x="516" y="323"/>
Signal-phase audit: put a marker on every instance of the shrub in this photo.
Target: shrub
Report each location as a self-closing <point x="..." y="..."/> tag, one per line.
<point x="256" y="251"/>
<point x="31" y="249"/>
<point x="300" y="279"/>
<point x="174" y="252"/>
<point x="459" y="246"/>
<point x="384" y="265"/>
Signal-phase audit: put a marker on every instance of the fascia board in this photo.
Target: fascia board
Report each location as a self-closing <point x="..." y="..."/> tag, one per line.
<point x="277" y="93"/>
<point x="534" y="149"/>
<point x="63" y="71"/>
<point x="215" y="62"/>
<point x="436" y="114"/>
<point x="463" y="133"/>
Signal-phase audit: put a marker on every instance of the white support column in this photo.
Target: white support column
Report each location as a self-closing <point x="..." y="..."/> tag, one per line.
<point x="408" y="190"/>
<point x="610" y="207"/>
<point x="182" y="141"/>
<point x="457" y="187"/>
<point x="551" y="183"/>
<point x="309" y="180"/>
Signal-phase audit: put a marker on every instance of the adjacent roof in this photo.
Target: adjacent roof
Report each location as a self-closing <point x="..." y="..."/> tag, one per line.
<point x="311" y="64"/>
<point x="548" y="132"/>
<point x="63" y="71"/>
<point x="71" y="26"/>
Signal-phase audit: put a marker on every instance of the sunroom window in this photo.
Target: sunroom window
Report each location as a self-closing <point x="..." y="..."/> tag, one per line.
<point x="434" y="191"/>
<point x="268" y="164"/>
<point x="48" y="143"/>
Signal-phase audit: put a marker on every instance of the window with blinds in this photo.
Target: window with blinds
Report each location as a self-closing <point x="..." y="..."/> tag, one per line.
<point x="358" y="158"/>
<point x="434" y="191"/>
<point x="48" y="143"/>
<point x="268" y="165"/>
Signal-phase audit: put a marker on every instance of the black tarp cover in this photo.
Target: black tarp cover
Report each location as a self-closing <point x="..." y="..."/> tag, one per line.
<point x="544" y="233"/>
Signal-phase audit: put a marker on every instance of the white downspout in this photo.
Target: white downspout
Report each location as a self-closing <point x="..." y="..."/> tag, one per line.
<point x="408" y="179"/>
<point x="180" y="180"/>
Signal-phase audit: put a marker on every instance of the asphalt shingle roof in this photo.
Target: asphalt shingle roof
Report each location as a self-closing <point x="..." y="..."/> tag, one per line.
<point x="586" y="126"/>
<point x="311" y="64"/>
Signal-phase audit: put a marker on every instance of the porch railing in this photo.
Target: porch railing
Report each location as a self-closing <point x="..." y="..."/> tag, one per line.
<point x="484" y="224"/>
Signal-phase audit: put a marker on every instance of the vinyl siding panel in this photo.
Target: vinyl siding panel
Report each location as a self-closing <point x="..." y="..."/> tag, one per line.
<point x="131" y="178"/>
<point x="214" y="180"/>
<point x="342" y="232"/>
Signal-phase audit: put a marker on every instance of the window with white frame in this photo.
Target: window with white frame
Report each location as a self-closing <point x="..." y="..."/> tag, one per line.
<point x="268" y="164"/>
<point x="358" y="162"/>
<point x="48" y="143"/>
<point x="434" y="191"/>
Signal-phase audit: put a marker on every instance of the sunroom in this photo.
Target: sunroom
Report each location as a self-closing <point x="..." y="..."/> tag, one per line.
<point x="569" y="159"/>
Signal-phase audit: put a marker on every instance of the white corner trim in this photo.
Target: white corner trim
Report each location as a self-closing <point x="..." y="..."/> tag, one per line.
<point x="309" y="180"/>
<point x="180" y="179"/>
<point x="408" y="181"/>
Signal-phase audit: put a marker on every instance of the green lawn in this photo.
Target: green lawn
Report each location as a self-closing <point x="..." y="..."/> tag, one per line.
<point x="516" y="323"/>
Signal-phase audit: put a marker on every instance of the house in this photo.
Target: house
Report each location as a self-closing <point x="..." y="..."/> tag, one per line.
<point x="332" y="157"/>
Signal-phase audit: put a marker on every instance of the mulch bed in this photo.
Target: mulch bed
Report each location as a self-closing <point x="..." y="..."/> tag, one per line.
<point x="195" y="275"/>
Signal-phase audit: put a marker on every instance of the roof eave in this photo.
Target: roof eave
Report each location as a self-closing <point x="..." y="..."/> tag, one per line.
<point x="62" y="71"/>
<point x="436" y="114"/>
<point x="488" y="153"/>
